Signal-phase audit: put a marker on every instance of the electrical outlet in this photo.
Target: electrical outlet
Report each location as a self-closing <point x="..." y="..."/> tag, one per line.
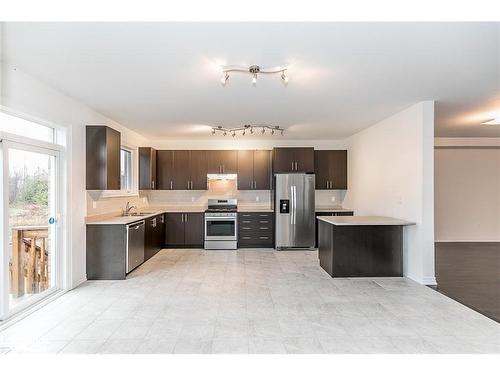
<point x="94" y="204"/>
<point x="257" y="198"/>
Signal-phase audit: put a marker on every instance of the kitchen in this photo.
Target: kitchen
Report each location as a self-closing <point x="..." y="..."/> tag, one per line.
<point x="163" y="199"/>
<point x="219" y="223"/>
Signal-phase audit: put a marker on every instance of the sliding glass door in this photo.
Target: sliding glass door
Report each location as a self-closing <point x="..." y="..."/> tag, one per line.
<point x="30" y="238"/>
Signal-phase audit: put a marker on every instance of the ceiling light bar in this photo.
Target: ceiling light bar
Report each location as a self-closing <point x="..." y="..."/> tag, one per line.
<point x="495" y="121"/>
<point x="250" y="128"/>
<point x="254" y="70"/>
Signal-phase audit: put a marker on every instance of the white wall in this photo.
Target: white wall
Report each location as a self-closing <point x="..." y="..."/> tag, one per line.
<point x="28" y="95"/>
<point x="390" y="168"/>
<point x="467" y="190"/>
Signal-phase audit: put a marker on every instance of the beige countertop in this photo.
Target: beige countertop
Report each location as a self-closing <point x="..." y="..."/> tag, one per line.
<point x="363" y="220"/>
<point x="332" y="209"/>
<point x="123" y="220"/>
<point x="115" y="218"/>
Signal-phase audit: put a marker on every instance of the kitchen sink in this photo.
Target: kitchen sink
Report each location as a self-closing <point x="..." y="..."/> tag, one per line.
<point x="138" y="214"/>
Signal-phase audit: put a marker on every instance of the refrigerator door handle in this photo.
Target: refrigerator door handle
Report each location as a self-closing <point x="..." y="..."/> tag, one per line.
<point x="294" y="198"/>
<point x="291" y="205"/>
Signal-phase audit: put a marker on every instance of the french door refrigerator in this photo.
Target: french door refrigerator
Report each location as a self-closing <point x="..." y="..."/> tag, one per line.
<point x="294" y="210"/>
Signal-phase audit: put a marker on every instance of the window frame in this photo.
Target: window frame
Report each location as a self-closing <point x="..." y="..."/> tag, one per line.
<point x="133" y="192"/>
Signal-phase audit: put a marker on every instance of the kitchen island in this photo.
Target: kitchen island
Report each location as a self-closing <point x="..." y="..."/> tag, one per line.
<point x="361" y="246"/>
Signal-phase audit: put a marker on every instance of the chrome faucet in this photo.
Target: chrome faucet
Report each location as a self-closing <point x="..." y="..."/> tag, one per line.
<point x="127" y="209"/>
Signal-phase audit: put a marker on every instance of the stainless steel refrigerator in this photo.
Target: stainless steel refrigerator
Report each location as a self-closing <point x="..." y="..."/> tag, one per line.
<point x="294" y="210"/>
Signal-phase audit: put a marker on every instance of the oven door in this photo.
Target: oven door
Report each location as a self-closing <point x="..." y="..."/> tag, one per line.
<point x="220" y="229"/>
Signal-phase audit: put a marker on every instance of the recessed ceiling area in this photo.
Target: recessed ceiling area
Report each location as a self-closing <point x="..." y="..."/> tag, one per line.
<point x="163" y="79"/>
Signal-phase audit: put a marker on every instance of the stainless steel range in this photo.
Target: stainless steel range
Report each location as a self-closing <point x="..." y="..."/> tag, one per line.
<point x="221" y="224"/>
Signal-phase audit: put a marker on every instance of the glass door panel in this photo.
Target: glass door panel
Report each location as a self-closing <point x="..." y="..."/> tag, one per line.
<point x="31" y="236"/>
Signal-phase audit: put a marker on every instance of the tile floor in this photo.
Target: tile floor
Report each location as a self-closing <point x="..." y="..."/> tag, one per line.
<point x="250" y="301"/>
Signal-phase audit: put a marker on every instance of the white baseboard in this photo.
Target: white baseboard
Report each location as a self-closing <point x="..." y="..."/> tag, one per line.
<point x="423" y="281"/>
<point x="468" y="240"/>
<point x="79" y="282"/>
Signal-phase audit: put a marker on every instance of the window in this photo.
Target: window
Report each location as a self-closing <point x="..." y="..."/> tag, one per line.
<point x="126" y="170"/>
<point x="19" y="126"/>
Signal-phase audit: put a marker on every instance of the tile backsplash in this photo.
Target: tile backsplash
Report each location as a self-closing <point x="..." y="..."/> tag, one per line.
<point x="220" y="189"/>
<point x="98" y="204"/>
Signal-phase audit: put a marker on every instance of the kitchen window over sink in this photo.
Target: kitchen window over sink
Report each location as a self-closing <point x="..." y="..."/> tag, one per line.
<point x="126" y="176"/>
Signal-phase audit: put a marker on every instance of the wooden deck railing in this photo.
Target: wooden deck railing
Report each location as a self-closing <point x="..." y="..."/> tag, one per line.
<point x="29" y="264"/>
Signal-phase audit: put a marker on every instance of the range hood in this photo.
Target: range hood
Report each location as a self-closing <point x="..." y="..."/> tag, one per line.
<point x="222" y="176"/>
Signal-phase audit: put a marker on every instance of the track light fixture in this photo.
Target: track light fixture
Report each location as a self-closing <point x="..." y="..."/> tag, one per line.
<point x="254" y="70"/>
<point x="250" y="128"/>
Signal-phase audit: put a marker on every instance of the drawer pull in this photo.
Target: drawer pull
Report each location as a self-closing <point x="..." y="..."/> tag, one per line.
<point x="246" y="221"/>
<point x="263" y="227"/>
<point x="264" y="215"/>
<point x="264" y="238"/>
<point x="246" y="215"/>
<point x="264" y="221"/>
<point x="246" y="238"/>
<point x="246" y="228"/>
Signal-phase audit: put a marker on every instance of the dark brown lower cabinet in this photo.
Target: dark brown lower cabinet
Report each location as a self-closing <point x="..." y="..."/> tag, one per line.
<point x="154" y="235"/>
<point x="255" y="229"/>
<point x="361" y="250"/>
<point x="174" y="229"/>
<point x="330" y="213"/>
<point x="184" y="229"/>
<point x="194" y="229"/>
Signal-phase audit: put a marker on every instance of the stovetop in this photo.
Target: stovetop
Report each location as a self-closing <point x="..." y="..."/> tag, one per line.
<point x="217" y="209"/>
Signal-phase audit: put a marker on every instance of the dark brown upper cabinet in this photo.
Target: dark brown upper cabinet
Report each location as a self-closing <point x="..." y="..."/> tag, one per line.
<point x="182" y="170"/>
<point x="222" y="161"/>
<point x="164" y="169"/>
<point x="147" y="168"/>
<point x="102" y="158"/>
<point x="198" y="168"/>
<point x="293" y="159"/>
<point x="254" y="169"/>
<point x="331" y="169"/>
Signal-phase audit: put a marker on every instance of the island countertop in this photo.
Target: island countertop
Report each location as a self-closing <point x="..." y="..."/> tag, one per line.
<point x="364" y="220"/>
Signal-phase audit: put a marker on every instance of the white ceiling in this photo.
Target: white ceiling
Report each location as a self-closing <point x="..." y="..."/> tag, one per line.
<point x="162" y="80"/>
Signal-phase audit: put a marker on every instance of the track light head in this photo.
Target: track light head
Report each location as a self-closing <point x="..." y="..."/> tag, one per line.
<point x="284" y="77"/>
<point x="224" y="79"/>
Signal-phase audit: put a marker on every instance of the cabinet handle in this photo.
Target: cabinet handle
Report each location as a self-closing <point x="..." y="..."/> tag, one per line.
<point x="246" y="228"/>
<point x="188" y="185"/>
<point x="171" y="187"/>
<point x="263" y="215"/>
<point x="264" y="221"/>
<point x="182" y="218"/>
<point x="292" y="165"/>
<point x="263" y="228"/>
<point x="331" y="184"/>
<point x="191" y="184"/>
<point x="264" y="238"/>
<point x="296" y="168"/>
<point x="223" y="168"/>
<point x="246" y="221"/>
<point x="186" y="218"/>
<point x="246" y="238"/>
<point x="245" y="215"/>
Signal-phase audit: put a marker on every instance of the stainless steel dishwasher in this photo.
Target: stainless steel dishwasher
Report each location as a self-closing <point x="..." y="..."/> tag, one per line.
<point x="135" y="245"/>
